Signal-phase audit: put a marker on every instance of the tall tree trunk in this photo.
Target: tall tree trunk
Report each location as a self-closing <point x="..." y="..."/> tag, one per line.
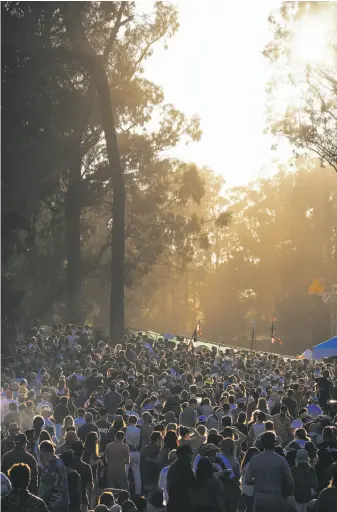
<point x="73" y="232"/>
<point x="95" y="65"/>
<point x="118" y="204"/>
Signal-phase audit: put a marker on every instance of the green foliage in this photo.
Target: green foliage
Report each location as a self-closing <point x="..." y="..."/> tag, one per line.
<point x="309" y="89"/>
<point x="282" y="234"/>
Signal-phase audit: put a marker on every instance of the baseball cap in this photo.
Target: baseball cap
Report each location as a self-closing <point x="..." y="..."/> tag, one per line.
<point x="20" y="439"/>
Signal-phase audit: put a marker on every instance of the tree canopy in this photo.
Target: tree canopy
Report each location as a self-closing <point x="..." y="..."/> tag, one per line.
<point x="95" y="214"/>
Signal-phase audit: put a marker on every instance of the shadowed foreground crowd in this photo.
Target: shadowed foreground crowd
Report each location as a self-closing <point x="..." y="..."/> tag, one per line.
<point x="153" y="426"/>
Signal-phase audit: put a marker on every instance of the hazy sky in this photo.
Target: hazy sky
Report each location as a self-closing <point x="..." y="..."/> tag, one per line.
<point x="214" y="67"/>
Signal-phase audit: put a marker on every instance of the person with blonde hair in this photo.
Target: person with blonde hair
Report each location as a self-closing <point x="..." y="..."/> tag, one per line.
<point x="67" y="422"/>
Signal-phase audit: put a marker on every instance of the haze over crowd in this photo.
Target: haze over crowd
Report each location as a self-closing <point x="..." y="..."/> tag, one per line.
<point x="190" y="247"/>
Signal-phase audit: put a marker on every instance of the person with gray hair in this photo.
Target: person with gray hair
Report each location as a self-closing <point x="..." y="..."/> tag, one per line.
<point x="163" y="474"/>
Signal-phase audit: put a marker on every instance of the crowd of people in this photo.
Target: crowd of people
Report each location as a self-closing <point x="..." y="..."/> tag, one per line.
<point x="154" y="425"/>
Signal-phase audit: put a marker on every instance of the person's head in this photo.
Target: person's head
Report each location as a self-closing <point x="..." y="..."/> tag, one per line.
<point x="300" y="433"/>
<point x="302" y="457"/>
<point x="213" y="438"/>
<point x="184" y="452"/>
<point x="67" y="458"/>
<point x="249" y="455"/>
<point x="147" y="418"/>
<point x="228" y="447"/>
<point x="29" y="405"/>
<point x="269" y="425"/>
<point x="88" y="417"/>
<point x="47" y="450"/>
<point x="44" y="436"/>
<point x="261" y="417"/>
<point x="13" y="429"/>
<point x="132" y="419"/>
<point x="19" y="475"/>
<point x="106" y="498"/>
<point x="129" y="404"/>
<point x="268" y="440"/>
<point x="13" y="408"/>
<point x="22" y="408"/>
<point x="328" y="433"/>
<point x="122" y="497"/>
<point x="171" y="440"/>
<point x="21" y="441"/>
<point x="156" y="438"/>
<point x="311" y="449"/>
<point x="118" y="423"/>
<point x="69" y="421"/>
<point x="226" y="408"/>
<point x="70" y="437"/>
<point x="81" y="412"/>
<point x="226" y="421"/>
<point x="283" y="410"/>
<point x="64" y="400"/>
<point x="193" y="403"/>
<point x="262" y="404"/>
<point x="101" y="508"/>
<point x="242" y="417"/>
<point x="202" y="430"/>
<point x="120" y="436"/>
<point x="184" y="432"/>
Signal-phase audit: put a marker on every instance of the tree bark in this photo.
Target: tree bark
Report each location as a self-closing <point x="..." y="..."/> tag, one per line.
<point x="96" y="67"/>
<point x="118" y="204"/>
<point x="73" y="232"/>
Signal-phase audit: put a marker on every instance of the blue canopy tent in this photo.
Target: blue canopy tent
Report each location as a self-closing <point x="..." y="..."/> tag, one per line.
<point x="325" y="349"/>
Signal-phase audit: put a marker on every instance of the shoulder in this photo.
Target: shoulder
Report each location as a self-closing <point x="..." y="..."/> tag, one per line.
<point x="38" y="502"/>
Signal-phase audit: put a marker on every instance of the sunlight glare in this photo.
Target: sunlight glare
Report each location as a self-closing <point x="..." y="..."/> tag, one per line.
<point x="311" y="41"/>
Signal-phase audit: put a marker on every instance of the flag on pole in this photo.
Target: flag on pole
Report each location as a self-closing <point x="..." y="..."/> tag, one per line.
<point x="197" y="331"/>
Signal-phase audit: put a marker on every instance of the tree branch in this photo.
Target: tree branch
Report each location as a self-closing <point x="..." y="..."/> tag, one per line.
<point x="118" y="24"/>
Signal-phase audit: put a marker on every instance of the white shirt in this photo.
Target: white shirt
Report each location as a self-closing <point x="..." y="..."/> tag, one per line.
<point x="162" y="483"/>
<point x="132" y="435"/>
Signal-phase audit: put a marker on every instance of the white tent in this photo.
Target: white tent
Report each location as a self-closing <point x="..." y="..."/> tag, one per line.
<point x="307" y="354"/>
